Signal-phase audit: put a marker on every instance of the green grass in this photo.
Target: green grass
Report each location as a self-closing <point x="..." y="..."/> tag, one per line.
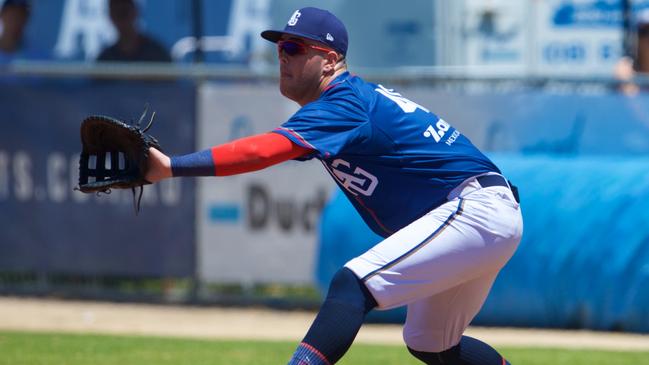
<point x="23" y="348"/>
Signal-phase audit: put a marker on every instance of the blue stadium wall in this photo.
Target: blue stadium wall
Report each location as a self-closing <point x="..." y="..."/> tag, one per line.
<point x="47" y="227"/>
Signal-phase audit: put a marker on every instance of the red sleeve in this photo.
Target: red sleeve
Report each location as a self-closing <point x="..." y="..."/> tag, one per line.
<point x="254" y="153"/>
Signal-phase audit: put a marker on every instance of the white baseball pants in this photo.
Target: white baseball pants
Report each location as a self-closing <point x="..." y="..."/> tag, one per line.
<point x="443" y="265"/>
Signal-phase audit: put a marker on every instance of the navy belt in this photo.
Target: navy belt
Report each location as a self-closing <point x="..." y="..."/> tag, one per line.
<point x="496" y="180"/>
<point x="491" y="180"/>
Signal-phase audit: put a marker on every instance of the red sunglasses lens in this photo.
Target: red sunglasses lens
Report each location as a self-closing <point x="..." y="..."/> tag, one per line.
<point x="291" y="48"/>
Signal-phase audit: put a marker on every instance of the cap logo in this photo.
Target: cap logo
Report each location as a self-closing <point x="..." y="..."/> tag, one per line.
<point x="294" y="18"/>
<point x="329" y="37"/>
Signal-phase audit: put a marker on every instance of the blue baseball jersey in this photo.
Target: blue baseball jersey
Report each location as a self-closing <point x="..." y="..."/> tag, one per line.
<point x="393" y="158"/>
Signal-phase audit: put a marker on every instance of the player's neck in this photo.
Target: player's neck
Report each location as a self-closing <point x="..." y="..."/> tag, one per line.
<point x="317" y="90"/>
<point x="327" y="79"/>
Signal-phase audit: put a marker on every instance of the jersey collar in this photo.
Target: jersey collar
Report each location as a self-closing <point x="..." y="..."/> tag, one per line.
<point x="337" y="81"/>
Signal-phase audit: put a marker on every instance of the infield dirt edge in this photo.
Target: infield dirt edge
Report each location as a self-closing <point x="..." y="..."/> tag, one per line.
<point x="52" y="315"/>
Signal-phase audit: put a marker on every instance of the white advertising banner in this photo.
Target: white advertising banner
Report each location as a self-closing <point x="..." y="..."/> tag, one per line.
<point x="578" y="37"/>
<point x="495" y="35"/>
<point x="261" y="226"/>
<point x="535" y="37"/>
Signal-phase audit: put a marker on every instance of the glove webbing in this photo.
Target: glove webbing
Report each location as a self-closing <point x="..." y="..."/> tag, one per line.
<point x="100" y="173"/>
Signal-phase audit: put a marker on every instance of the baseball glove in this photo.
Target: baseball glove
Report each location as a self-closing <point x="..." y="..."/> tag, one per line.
<point x="114" y="155"/>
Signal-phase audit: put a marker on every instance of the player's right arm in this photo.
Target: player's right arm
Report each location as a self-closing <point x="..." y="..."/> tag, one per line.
<point x="236" y="157"/>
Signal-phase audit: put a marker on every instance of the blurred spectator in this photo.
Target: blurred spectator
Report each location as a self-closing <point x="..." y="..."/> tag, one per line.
<point x="132" y="45"/>
<point x="638" y="62"/>
<point x="14" y="15"/>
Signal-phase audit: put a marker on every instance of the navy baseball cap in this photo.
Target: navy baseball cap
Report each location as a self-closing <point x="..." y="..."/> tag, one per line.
<point x="315" y="24"/>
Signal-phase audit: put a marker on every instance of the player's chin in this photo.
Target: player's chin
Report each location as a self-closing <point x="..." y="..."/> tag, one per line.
<point x="284" y="80"/>
<point x="286" y="89"/>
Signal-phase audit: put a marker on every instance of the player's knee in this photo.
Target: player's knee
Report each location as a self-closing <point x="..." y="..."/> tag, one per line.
<point x="345" y="286"/>
<point x="424" y="339"/>
<point x="433" y="358"/>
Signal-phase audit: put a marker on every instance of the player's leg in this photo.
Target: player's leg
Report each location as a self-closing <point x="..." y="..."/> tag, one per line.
<point x="434" y="326"/>
<point x="337" y="322"/>
<point x="469" y="351"/>
<point x="462" y="244"/>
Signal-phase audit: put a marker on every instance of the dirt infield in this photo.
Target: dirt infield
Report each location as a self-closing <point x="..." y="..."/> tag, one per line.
<point x="225" y="323"/>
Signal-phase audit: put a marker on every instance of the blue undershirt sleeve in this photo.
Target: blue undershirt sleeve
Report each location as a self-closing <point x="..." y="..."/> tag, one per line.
<point x="194" y="164"/>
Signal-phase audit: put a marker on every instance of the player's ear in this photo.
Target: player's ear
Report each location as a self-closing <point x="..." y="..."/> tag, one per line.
<point x="331" y="59"/>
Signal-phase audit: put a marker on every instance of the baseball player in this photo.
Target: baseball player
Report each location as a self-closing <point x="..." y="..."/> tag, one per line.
<point x="450" y="219"/>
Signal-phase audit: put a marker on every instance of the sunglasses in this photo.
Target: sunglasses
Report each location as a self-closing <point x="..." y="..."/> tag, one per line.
<point x="293" y="48"/>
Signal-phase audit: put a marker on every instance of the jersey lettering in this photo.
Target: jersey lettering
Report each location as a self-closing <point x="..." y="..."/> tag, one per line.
<point x="408" y="106"/>
<point x="358" y="182"/>
<point x="437" y="132"/>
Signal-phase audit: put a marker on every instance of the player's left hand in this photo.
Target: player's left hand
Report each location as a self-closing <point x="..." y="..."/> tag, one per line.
<point x="159" y="166"/>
